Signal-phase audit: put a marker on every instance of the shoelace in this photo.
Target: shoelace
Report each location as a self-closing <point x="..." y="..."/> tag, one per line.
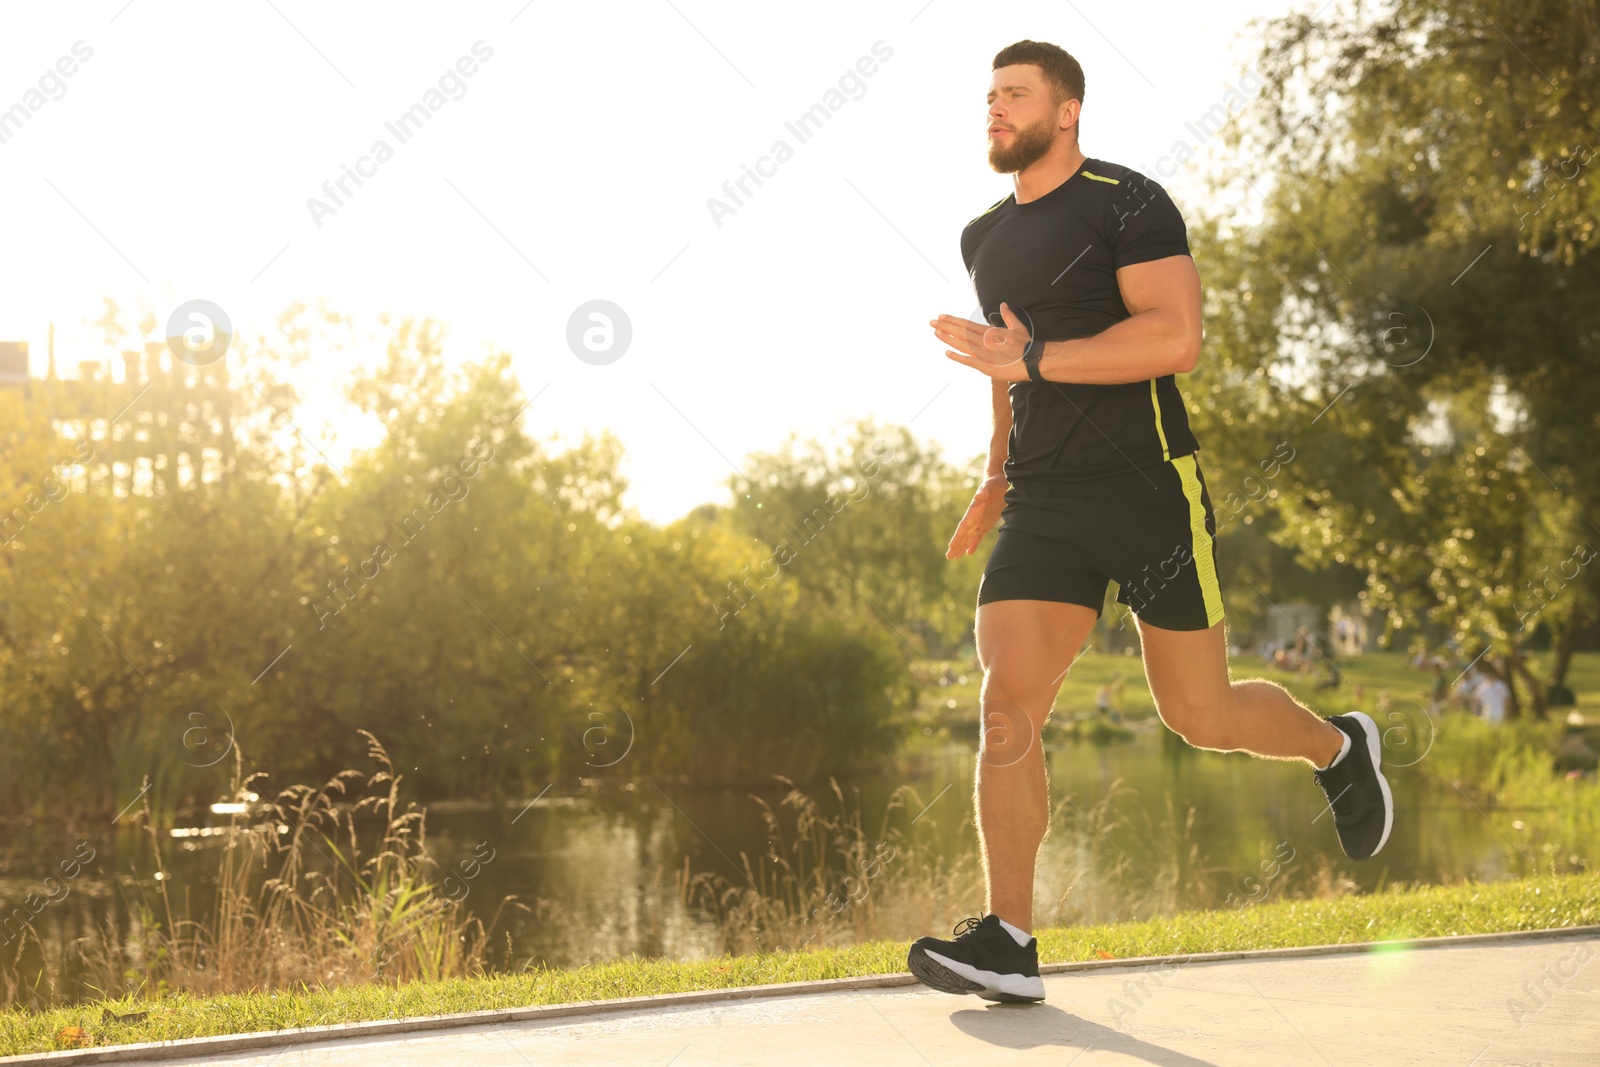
<point x="970" y="923"/>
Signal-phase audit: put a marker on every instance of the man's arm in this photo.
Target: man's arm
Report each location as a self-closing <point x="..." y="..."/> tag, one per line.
<point x="990" y="500"/>
<point x="1161" y="336"/>
<point x="1000" y="440"/>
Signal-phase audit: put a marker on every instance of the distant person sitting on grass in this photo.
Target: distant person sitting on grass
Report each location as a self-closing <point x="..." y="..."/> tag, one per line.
<point x="1493" y="695"/>
<point x="1464" y="696"/>
<point x="1332" y="679"/>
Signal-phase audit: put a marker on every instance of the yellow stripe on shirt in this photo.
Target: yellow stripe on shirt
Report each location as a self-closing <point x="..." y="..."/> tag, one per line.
<point x="1165" y="455"/>
<point x="988" y="209"/>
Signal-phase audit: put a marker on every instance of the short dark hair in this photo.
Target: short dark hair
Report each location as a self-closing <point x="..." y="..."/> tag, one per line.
<point x="1061" y="71"/>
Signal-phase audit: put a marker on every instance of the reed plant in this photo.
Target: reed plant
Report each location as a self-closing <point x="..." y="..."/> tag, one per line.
<point x="318" y="887"/>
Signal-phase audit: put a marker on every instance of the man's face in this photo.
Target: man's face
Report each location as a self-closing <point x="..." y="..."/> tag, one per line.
<point x="1023" y="122"/>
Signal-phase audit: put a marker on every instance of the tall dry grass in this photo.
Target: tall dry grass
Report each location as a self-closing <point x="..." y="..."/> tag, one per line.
<point x="334" y="886"/>
<point x="827" y="880"/>
<point x="317" y="887"/>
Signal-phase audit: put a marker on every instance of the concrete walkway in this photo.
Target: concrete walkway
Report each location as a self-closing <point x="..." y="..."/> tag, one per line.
<point x="1501" y="999"/>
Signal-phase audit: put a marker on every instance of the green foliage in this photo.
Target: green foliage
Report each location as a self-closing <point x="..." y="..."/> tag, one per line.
<point x="483" y="602"/>
<point x="867" y="521"/>
<point x="1512" y="768"/>
<point x="1408" y="310"/>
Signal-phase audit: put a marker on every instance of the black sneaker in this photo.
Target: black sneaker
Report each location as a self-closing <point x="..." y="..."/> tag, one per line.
<point x="1363" y="808"/>
<point x="984" y="959"/>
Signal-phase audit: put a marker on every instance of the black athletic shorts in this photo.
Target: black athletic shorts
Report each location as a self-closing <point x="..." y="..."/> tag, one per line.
<point x="1150" y="530"/>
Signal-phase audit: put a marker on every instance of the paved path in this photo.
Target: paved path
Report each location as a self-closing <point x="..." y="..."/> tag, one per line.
<point x="1518" y="1001"/>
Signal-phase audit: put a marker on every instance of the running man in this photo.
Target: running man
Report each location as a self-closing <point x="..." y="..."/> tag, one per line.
<point x="1093" y="303"/>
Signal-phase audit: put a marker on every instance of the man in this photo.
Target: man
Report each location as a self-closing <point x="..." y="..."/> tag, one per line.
<point x="1493" y="695"/>
<point x="1094" y="305"/>
<point x="1466" y="691"/>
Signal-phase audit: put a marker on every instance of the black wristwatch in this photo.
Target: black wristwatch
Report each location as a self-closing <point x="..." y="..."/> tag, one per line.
<point x="1030" y="357"/>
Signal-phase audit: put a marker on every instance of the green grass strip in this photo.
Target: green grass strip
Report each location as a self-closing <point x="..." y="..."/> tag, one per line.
<point x="1399" y="912"/>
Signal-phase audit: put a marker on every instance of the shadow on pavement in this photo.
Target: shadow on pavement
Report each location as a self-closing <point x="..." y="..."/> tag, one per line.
<point x="1024" y="1026"/>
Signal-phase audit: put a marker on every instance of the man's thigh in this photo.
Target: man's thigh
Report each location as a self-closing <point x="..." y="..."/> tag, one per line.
<point x="1026" y="646"/>
<point x="1187" y="670"/>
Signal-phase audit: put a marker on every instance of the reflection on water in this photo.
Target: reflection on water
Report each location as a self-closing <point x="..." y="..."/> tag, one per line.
<point x="597" y="869"/>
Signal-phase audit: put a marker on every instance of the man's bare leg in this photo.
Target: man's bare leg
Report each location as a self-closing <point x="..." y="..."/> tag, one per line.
<point x="1025" y="648"/>
<point x="1188" y="675"/>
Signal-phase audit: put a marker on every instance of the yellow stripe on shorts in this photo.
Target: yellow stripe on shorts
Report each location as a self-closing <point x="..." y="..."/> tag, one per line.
<point x="1204" y="564"/>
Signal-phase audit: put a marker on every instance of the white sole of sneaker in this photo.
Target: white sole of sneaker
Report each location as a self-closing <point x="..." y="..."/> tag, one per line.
<point x="994" y="985"/>
<point x="1375" y="748"/>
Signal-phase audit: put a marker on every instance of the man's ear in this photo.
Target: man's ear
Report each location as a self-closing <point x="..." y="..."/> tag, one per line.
<point x="1068" y="115"/>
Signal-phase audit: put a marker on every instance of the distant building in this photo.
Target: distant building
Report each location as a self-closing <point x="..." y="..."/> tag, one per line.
<point x="13" y="363"/>
<point x="1285" y="621"/>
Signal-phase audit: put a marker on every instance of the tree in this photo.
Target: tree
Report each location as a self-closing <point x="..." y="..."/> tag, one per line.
<point x="1410" y="303"/>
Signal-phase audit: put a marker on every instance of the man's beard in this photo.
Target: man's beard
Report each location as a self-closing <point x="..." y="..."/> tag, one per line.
<point x="1028" y="146"/>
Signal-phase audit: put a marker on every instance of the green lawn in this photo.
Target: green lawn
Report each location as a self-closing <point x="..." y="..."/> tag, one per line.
<point x="1376" y="672"/>
<point x="1400" y="912"/>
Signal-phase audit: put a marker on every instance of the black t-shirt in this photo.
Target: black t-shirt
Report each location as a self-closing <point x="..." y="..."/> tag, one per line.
<point x="1057" y="257"/>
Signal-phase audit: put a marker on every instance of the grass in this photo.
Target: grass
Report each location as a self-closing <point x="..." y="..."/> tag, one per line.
<point x="1399" y="912"/>
<point x="1377" y="673"/>
<point x="1078" y="690"/>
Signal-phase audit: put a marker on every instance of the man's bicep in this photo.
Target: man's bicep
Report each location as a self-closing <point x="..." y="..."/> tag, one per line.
<point x="1171" y="283"/>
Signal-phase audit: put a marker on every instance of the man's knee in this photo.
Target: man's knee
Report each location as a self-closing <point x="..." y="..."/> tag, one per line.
<point x="1008" y="729"/>
<point x="1011" y="680"/>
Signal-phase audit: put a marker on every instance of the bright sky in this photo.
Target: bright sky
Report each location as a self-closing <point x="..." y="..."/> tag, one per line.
<point x="573" y="163"/>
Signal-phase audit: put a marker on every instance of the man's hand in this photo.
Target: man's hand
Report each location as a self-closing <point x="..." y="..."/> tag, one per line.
<point x="994" y="350"/>
<point x="982" y="514"/>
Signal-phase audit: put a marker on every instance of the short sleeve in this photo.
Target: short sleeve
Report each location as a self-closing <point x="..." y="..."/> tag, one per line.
<point x="1144" y="224"/>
